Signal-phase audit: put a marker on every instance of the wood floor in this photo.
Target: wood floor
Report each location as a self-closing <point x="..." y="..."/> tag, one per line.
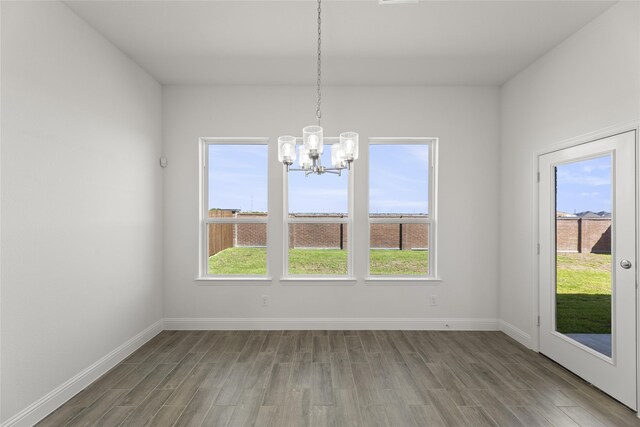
<point x="338" y="378"/>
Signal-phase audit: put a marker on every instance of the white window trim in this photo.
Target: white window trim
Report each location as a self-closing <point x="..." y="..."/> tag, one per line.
<point x="305" y="279"/>
<point x="203" y="212"/>
<point x="432" y="278"/>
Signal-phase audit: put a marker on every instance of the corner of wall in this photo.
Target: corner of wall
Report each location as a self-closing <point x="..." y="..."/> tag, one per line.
<point x="38" y="410"/>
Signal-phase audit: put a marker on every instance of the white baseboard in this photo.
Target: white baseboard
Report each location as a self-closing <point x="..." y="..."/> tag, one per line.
<point x="517" y="334"/>
<point x="330" y="324"/>
<point x="54" y="399"/>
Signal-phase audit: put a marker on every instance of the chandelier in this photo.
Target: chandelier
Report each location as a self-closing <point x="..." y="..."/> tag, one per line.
<point x="312" y="147"/>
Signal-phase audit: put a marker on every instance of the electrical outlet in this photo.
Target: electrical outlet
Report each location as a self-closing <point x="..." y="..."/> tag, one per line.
<point x="265" y="301"/>
<point x="433" y="300"/>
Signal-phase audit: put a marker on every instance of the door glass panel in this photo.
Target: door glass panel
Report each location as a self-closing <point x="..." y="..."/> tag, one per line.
<point x="583" y="252"/>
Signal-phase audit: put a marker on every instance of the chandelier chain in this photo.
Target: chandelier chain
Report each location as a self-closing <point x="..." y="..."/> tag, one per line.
<point x="319" y="81"/>
<point x="310" y="152"/>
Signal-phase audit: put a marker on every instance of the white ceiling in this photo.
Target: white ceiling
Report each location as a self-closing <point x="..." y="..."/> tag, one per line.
<point x="274" y="42"/>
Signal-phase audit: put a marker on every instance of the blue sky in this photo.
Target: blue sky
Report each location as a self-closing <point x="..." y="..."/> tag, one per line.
<point x="326" y="193"/>
<point x="584" y="186"/>
<point x="238" y="177"/>
<point x="398" y="181"/>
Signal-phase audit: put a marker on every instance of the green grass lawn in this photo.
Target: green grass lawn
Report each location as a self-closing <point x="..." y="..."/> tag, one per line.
<point x="398" y="263"/>
<point x="239" y="261"/>
<point x="584" y="293"/>
<point x="318" y="261"/>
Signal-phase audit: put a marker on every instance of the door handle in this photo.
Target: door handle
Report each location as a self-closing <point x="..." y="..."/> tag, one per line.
<point x="626" y="264"/>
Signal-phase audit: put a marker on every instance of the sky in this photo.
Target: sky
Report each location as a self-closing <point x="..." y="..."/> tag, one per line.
<point x="584" y="186"/>
<point x="398" y="181"/>
<point x="398" y="178"/>
<point x="326" y="193"/>
<point x="238" y="177"/>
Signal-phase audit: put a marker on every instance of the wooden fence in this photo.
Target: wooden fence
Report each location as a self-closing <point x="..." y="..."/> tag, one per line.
<point x="220" y="235"/>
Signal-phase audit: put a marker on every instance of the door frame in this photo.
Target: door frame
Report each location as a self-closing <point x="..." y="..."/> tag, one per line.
<point x="535" y="285"/>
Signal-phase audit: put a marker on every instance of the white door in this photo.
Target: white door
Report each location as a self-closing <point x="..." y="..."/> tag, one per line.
<point x="587" y="200"/>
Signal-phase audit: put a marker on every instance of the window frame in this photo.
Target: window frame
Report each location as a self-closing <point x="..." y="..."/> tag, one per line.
<point x="348" y="220"/>
<point x="431" y="220"/>
<point x="205" y="220"/>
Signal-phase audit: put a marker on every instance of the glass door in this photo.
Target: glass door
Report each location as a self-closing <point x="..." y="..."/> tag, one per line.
<point x="587" y="235"/>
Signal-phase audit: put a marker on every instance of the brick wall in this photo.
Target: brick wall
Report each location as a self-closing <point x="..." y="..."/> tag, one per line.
<point x="596" y="236"/>
<point x="326" y="236"/>
<point x="399" y="236"/>
<point x="335" y="236"/>
<point x="567" y="232"/>
<point x="584" y="235"/>
<point x="385" y="236"/>
<point x="573" y="234"/>
<point x="415" y="236"/>
<point x="250" y="234"/>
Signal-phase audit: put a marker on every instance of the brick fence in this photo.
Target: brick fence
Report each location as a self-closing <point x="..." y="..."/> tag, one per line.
<point x="317" y="235"/>
<point x="583" y="235"/>
<point x="399" y="236"/>
<point x="320" y="235"/>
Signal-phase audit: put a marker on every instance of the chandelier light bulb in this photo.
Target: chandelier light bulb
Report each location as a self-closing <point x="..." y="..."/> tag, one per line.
<point x="304" y="159"/>
<point x="312" y="141"/>
<point x="337" y="156"/>
<point x="349" y="145"/>
<point x="287" y="149"/>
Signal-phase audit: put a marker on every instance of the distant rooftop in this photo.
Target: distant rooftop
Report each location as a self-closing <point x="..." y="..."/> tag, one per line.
<point x="585" y="214"/>
<point x="590" y="214"/>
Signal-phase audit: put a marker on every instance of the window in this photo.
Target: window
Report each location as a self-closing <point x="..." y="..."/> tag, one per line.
<point x="314" y="237"/>
<point x="401" y="208"/>
<point x="317" y="222"/>
<point x="234" y="208"/>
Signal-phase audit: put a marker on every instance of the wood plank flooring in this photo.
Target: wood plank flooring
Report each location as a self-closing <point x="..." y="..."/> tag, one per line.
<point x="338" y="378"/>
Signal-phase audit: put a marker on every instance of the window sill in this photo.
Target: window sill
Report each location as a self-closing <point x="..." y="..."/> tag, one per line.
<point x="402" y="281"/>
<point x="234" y="281"/>
<point x="317" y="281"/>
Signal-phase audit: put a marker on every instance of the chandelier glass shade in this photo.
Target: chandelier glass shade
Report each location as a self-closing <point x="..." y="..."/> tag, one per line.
<point x="310" y="151"/>
<point x="287" y="149"/>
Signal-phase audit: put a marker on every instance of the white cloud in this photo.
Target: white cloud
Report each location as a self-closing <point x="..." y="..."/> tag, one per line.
<point x="418" y="152"/>
<point x="396" y="206"/>
<point x="236" y="177"/>
<point x="254" y="151"/>
<point x="399" y="181"/>
<point x="598" y="167"/>
<point x="567" y="177"/>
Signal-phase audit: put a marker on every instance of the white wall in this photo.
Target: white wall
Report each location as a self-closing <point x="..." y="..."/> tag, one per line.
<point x="81" y="200"/>
<point x="588" y="83"/>
<point x="466" y="119"/>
